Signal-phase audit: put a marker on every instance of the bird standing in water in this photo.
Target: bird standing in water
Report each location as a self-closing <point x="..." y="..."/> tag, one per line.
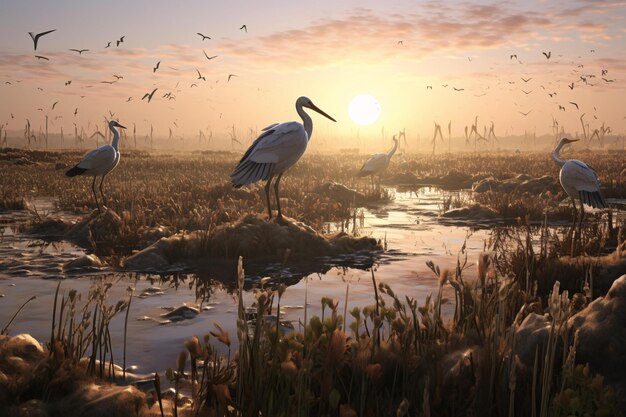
<point x="276" y="150"/>
<point x="99" y="162"/>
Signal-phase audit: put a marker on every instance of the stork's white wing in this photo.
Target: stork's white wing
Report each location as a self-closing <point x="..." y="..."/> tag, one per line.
<point x="578" y="175"/>
<point x="375" y="163"/>
<point x="98" y="158"/>
<point x="280" y="143"/>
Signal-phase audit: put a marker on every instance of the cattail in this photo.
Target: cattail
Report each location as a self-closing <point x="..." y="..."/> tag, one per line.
<point x="403" y="408"/>
<point x="289" y="368"/>
<point x="336" y="348"/>
<point x="181" y="360"/>
<point x="222" y="336"/>
<point x="443" y="276"/>
<point x="483" y="266"/>
<point x="374" y="371"/>
<point x="193" y="345"/>
<point x="222" y="394"/>
<point x="346" y="411"/>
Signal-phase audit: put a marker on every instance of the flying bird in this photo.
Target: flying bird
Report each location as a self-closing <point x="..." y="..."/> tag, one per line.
<point x="129" y="99"/>
<point x="513" y="56"/>
<point x="571" y="86"/>
<point x="39" y="35"/>
<point x="608" y="81"/>
<point x="156" y="67"/>
<point x="561" y="107"/>
<point x="429" y="87"/>
<point x="121" y="40"/>
<point x="80" y="51"/>
<point x="203" y="36"/>
<point x="604" y="72"/>
<point x="149" y="95"/>
<point x="547" y="54"/>
<point x="276" y="150"/>
<point x="200" y="77"/>
<point x="68" y="82"/>
<point x="119" y="77"/>
<point x="99" y="162"/>
<point x="54" y="105"/>
<point x="458" y="89"/>
<point x="42" y="57"/>
<point x="377" y="164"/>
<point x="244" y="27"/>
<point x="75" y="111"/>
<point x="231" y="76"/>
<point x="527" y="92"/>
<point x="209" y="57"/>
<point x="526" y="79"/>
<point x="579" y="181"/>
<point x="525" y="114"/>
<point x="574" y="104"/>
<point x="444" y="85"/>
<point x="400" y="42"/>
<point x="108" y="45"/>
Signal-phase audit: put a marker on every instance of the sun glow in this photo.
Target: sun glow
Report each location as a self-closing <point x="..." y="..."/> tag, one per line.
<point x="364" y="109"/>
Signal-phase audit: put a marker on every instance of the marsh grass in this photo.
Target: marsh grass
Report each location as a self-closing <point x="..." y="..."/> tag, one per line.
<point x="397" y="349"/>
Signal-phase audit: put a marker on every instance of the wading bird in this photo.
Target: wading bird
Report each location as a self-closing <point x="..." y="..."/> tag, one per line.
<point x="377" y="164"/>
<point x="99" y="162"/>
<point x="579" y="181"/>
<point x="39" y="35"/>
<point x="276" y="150"/>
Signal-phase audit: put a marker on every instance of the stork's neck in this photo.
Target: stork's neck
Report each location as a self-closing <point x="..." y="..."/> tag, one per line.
<point x="306" y="119"/>
<point x="555" y="155"/>
<point x="393" y="150"/>
<point x="116" y="137"/>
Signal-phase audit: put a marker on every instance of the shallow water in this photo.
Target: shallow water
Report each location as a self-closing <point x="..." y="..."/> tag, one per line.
<point x="408" y="224"/>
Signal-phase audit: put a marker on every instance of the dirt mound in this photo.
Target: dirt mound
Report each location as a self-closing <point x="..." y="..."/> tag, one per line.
<point x="24" y="365"/>
<point x="601" y="331"/>
<point x="452" y="180"/>
<point x="476" y="212"/>
<point x="522" y="184"/>
<point x="340" y="193"/>
<point x="251" y="237"/>
<point x="97" y="227"/>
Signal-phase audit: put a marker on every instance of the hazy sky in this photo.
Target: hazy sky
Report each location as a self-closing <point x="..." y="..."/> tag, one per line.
<point x="327" y="50"/>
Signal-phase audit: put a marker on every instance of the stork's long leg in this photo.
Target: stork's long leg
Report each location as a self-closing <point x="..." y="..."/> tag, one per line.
<point x="267" y="196"/>
<point x="572" y="233"/>
<point x="93" y="189"/>
<point x="276" y="184"/>
<point x="104" y="200"/>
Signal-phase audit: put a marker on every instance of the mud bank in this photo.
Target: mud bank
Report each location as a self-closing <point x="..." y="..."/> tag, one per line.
<point x="251" y="237"/>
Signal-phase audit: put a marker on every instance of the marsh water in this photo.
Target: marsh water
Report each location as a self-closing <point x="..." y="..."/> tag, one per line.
<point x="409" y="225"/>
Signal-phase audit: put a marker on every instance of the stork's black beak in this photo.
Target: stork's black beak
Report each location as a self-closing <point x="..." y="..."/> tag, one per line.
<point x="320" y="111"/>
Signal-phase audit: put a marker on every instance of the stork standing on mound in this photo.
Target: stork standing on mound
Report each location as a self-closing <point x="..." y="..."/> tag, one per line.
<point x="579" y="181"/>
<point x="276" y="150"/>
<point x="377" y="164"/>
<point x="99" y="162"/>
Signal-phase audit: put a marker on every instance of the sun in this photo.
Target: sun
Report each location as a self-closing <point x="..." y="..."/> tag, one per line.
<point x="364" y="109"/>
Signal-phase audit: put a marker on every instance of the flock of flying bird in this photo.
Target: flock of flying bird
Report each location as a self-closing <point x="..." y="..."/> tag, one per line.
<point x="281" y="145"/>
<point x="148" y="95"/>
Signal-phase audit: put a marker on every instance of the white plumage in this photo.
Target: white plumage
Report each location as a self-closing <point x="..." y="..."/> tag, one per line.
<point x="579" y="181"/>
<point x="278" y="148"/>
<point x="377" y="163"/>
<point x="100" y="161"/>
